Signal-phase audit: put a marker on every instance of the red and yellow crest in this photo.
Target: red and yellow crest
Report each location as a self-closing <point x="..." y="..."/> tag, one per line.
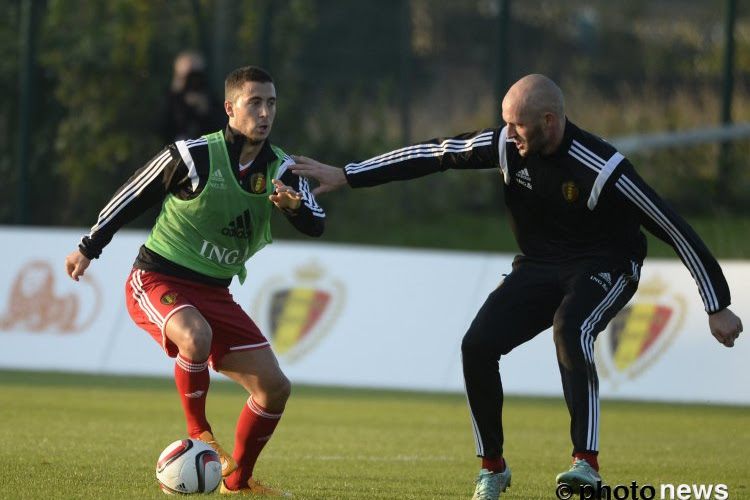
<point x="169" y="298"/>
<point x="570" y="191"/>
<point x="297" y="312"/>
<point x="258" y="183"/>
<point x="640" y="332"/>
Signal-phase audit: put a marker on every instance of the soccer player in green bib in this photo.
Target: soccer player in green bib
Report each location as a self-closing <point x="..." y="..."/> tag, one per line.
<point x="217" y="193"/>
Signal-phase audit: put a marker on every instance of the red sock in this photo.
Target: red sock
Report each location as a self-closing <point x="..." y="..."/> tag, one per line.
<point x="493" y="464"/>
<point x="254" y="428"/>
<point x="590" y="457"/>
<point x="192" y="380"/>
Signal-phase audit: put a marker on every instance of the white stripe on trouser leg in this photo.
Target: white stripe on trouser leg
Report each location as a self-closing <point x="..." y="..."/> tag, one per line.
<point x="587" y="347"/>
<point x="592" y="437"/>
<point x="477" y="437"/>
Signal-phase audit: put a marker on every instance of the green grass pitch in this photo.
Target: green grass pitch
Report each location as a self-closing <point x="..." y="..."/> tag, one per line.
<point x="68" y="436"/>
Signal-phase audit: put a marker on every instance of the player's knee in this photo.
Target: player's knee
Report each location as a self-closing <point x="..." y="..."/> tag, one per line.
<point x="277" y="392"/>
<point x="568" y="347"/>
<point x="475" y="346"/>
<point x="284" y="390"/>
<point x="191" y="333"/>
<point x="562" y="355"/>
<point x="195" y="343"/>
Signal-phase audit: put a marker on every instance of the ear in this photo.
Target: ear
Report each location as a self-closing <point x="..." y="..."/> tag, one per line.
<point x="229" y="108"/>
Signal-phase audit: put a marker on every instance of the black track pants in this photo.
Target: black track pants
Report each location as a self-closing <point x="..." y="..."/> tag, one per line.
<point x="577" y="300"/>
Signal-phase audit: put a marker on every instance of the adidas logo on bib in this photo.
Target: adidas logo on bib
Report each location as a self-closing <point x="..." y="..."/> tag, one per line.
<point x="240" y="227"/>
<point x="216" y="179"/>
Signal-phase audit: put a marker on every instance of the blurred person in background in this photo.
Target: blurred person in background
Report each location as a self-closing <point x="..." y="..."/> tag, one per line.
<point x="216" y="194"/>
<point x="191" y="107"/>
<point x="577" y="207"/>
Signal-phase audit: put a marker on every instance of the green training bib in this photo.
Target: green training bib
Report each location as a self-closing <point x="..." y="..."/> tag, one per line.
<point x="216" y="232"/>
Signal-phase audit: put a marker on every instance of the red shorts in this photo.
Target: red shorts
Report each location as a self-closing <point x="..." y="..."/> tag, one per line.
<point x="153" y="298"/>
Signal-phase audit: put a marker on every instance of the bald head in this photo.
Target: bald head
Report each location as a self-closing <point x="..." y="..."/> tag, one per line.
<point x="534" y="95"/>
<point x="534" y="109"/>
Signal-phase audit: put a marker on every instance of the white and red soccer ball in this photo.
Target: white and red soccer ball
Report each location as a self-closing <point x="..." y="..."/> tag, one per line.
<point x="188" y="466"/>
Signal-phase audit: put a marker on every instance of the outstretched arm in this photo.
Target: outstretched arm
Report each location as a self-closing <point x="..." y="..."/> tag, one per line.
<point x="660" y="219"/>
<point x="656" y="216"/>
<point x="145" y="188"/>
<point x="329" y="178"/>
<point x="471" y="150"/>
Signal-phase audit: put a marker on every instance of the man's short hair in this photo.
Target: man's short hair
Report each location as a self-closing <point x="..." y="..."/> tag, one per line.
<point x="237" y="78"/>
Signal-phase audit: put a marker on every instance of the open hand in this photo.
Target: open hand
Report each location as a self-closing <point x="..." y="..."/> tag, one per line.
<point x="329" y="178"/>
<point x="285" y="197"/>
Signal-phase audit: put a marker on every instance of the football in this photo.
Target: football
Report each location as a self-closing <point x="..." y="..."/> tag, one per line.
<point x="188" y="466"/>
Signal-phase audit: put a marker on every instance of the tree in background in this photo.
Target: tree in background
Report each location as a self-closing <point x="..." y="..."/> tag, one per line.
<point x="101" y="68"/>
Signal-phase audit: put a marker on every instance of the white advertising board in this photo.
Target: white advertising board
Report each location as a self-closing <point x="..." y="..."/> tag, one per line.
<point x="365" y="317"/>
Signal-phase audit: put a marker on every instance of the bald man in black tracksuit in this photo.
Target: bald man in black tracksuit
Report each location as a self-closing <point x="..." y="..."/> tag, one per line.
<point x="577" y="207"/>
